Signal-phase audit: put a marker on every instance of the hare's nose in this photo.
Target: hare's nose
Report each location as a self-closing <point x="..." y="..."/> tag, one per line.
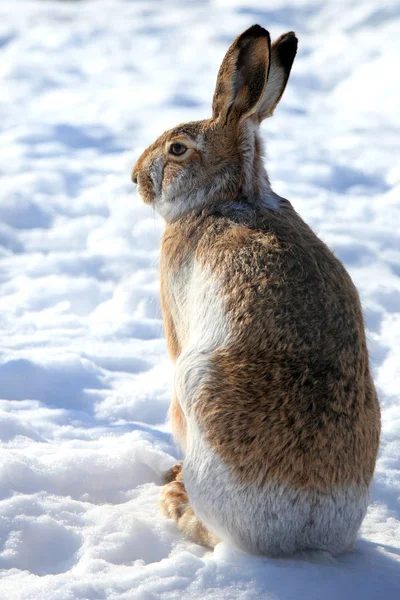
<point x="134" y="176"/>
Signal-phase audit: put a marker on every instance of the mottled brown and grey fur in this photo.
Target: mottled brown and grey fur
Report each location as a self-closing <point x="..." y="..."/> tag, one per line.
<point x="274" y="405"/>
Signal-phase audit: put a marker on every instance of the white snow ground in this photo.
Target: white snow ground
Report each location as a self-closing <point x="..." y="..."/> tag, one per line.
<point x="84" y="377"/>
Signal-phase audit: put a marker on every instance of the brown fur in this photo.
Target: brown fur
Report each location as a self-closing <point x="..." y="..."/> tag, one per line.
<point x="292" y="398"/>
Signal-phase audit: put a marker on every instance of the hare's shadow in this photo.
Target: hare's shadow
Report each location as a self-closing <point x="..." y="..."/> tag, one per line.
<point x="370" y="572"/>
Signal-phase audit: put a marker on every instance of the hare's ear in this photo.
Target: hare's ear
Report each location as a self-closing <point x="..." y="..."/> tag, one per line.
<point x="243" y="75"/>
<point x="283" y="51"/>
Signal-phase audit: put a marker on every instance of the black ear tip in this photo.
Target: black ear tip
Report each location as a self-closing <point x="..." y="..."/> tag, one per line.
<point x="289" y="35"/>
<point x="287" y="48"/>
<point x="255" y="31"/>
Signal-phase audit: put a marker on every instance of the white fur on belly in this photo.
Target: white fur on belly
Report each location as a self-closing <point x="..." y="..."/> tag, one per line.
<point x="275" y="519"/>
<point x="207" y="329"/>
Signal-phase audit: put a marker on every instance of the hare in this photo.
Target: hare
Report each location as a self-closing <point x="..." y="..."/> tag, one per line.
<point x="274" y="405"/>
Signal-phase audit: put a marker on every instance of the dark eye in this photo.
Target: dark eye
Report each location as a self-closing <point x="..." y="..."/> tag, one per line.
<point x="177" y="149"/>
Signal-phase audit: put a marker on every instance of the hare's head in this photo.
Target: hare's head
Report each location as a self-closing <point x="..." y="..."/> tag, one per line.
<point x="219" y="159"/>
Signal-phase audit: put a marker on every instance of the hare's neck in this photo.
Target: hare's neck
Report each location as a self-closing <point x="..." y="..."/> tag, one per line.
<point x="255" y="182"/>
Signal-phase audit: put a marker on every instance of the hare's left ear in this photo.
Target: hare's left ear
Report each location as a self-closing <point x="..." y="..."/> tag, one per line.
<point x="242" y="76"/>
<point x="283" y="52"/>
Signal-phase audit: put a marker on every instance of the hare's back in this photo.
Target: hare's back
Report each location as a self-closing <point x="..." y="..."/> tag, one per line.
<point x="288" y="394"/>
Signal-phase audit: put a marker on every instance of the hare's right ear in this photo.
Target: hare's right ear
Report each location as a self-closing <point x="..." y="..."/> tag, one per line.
<point x="242" y="76"/>
<point x="283" y="52"/>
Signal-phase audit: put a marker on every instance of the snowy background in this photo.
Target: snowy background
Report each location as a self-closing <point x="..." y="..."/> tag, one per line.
<point x="85" y="380"/>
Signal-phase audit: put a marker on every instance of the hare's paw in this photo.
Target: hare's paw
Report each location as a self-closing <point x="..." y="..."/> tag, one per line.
<point x="174" y="473"/>
<point x="173" y="500"/>
<point x="175" y="505"/>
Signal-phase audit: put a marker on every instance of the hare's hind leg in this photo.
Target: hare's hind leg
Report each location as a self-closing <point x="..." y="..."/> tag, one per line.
<point x="175" y="505"/>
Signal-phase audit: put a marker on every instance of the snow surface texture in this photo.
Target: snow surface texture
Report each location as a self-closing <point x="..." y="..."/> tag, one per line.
<point x="85" y="380"/>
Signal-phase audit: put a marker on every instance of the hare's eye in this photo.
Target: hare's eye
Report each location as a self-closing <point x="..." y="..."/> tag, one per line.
<point x="177" y="149"/>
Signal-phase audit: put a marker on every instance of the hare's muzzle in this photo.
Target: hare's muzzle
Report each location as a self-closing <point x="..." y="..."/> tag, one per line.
<point x="145" y="186"/>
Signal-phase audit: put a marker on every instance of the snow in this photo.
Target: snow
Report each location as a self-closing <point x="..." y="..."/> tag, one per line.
<point x="85" y="380"/>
